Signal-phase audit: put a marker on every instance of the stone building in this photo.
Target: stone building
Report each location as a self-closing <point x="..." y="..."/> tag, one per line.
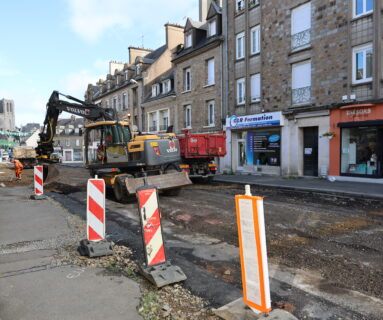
<point x="292" y="64"/>
<point x="198" y="69"/>
<point x="7" y="115"/>
<point x="68" y="141"/>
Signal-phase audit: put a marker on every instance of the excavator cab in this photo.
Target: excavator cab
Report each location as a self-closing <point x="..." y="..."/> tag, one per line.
<point x="106" y="143"/>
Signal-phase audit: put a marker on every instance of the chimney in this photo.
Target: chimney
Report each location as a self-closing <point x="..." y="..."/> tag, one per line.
<point x="204" y="6"/>
<point x="174" y="35"/>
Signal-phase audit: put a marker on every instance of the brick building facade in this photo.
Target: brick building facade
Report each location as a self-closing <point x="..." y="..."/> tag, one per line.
<point x="289" y="65"/>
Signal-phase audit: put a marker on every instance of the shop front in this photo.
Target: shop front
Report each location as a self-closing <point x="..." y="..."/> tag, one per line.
<point x="255" y="143"/>
<point x="356" y="147"/>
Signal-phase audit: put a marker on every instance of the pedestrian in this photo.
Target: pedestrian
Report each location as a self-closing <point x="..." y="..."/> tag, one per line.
<point x="18" y="168"/>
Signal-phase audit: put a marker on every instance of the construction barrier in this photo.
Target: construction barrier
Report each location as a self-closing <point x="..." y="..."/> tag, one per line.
<point x="38" y="177"/>
<point x="157" y="268"/>
<point x="151" y="226"/>
<point x="95" y="245"/>
<point x="253" y="254"/>
<point x="95" y="210"/>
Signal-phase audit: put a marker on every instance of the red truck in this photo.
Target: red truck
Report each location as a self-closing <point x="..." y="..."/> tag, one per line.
<point x="198" y="151"/>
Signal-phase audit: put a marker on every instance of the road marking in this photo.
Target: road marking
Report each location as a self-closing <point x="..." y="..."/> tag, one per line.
<point x="75" y="274"/>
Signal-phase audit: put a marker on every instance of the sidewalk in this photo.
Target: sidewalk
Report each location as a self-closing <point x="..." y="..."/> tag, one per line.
<point x="341" y="188"/>
<point x="34" y="286"/>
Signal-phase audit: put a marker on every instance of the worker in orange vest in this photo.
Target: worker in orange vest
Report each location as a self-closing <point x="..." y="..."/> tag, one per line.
<point x="18" y="168"/>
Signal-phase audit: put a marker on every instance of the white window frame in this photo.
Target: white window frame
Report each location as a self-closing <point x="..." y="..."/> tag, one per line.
<point x="211" y="113"/>
<point x="255" y="39"/>
<point x="166" y="86"/>
<point x="155" y="90"/>
<point x="256" y="87"/>
<point x="239" y="5"/>
<point x="161" y="118"/>
<point x="67" y="142"/>
<point x="187" y="86"/>
<point x="77" y="142"/>
<point x="355" y="51"/>
<point x="114" y="103"/>
<point x="153" y="116"/>
<point x="188" y="111"/>
<point x="293" y="21"/>
<point x="364" y="12"/>
<point x="212" y="27"/>
<point x="240" y="46"/>
<point x="241" y="86"/>
<point x="210" y="66"/>
<point x="297" y="65"/>
<point x="188" y="40"/>
<point x="124" y="101"/>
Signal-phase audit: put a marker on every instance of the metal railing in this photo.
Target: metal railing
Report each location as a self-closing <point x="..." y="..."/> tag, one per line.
<point x="301" y="39"/>
<point x="301" y="95"/>
<point x="163" y="127"/>
<point x="153" y="128"/>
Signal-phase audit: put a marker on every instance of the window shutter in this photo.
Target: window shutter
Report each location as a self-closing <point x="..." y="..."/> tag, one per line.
<point x="301" y="18"/>
<point x="301" y="75"/>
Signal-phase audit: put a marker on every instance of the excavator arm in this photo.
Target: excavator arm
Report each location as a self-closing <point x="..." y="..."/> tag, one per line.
<point x="55" y="106"/>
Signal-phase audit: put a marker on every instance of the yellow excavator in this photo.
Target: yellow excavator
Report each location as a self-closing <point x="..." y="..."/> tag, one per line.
<point x="124" y="158"/>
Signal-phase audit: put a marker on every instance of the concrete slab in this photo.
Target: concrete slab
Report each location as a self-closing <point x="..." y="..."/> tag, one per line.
<point x="68" y="293"/>
<point x="238" y="310"/>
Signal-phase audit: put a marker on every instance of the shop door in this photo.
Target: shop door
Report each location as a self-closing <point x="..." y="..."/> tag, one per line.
<point x="310" y="151"/>
<point x="241" y="154"/>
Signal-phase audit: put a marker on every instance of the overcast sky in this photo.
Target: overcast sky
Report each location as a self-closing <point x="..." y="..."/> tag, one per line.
<point x="63" y="45"/>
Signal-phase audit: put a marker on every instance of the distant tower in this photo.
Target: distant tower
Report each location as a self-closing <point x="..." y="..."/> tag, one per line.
<point x="7" y="115"/>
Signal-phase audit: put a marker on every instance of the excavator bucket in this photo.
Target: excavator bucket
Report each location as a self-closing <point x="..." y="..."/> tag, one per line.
<point x="166" y="181"/>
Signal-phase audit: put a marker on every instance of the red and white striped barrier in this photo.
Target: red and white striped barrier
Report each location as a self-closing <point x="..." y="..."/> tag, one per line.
<point x="95" y="210"/>
<point x="38" y="173"/>
<point x="151" y="225"/>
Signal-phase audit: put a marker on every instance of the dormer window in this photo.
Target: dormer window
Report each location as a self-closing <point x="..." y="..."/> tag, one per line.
<point x="126" y="76"/>
<point x="240" y="5"/>
<point x="188" y="40"/>
<point x="117" y="79"/>
<point x="166" y="86"/>
<point x="212" y="28"/>
<point x="108" y="85"/>
<point x="156" y="90"/>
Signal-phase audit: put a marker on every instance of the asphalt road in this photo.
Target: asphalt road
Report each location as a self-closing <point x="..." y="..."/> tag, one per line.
<point x="325" y="252"/>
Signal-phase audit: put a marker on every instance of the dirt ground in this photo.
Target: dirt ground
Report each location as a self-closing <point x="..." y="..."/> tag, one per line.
<point x="7" y="176"/>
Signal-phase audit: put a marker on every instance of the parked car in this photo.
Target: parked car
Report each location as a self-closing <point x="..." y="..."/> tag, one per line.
<point x="57" y="157"/>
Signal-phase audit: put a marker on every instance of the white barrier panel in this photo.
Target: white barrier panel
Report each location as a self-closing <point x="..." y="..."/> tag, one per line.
<point x="95" y="210"/>
<point x="252" y="243"/>
<point x="38" y="177"/>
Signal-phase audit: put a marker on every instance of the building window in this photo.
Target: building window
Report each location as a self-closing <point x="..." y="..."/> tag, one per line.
<point x="156" y="90"/>
<point x="187" y="79"/>
<point x="115" y="103"/>
<point x="255" y="40"/>
<point x="359" y="151"/>
<point x="210" y="72"/>
<point x="67" y="142"/>
<point x="188" y="115"/>
<point x="212" y="28"/>
<point x="210" y="113"/>
<point x="241" y="91"/>
<point x="126" y="76"/>
<point x="124" y="106"/>
<point x="188" y="40"/>
<point x="152" y="119"/>
<point x="240" y="45"/>
<point x="362" y="7"/>
<point x="164" y="118"/>
<point x="253" y="3"/>
<point x="301" y="26"/>
<point x="362" y="64"/>
<point x="240" y="5"/>
<point x="301" y="82"/>
<point x="77" y="142"/>
<point x="166" y="86"/>
<point x="255" y="87"/>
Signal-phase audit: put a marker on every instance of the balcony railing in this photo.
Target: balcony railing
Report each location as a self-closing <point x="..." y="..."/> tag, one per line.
<point x="301" y="39"/>
<point x="301" y="95"/>
<point x="163" y="127"/>
<point x="153" y="128"/>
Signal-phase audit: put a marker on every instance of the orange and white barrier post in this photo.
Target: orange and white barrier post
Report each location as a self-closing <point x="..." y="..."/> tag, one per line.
<point x="95" y="210"/>
<point x="95" y="245"/>
<point x="38" y="193"/>
<point x="253" y="253"/>
<point x="39" y="185"/>
<point x="157" y="269"/>
<point x="151" y="226"/>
